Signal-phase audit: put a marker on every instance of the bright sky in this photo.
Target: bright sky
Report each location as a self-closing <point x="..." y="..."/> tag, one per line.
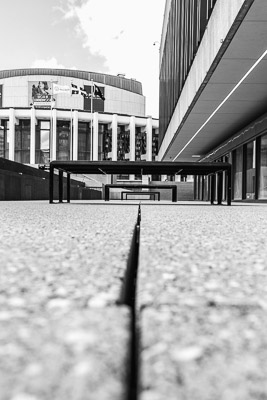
<point x="109" y="36"/>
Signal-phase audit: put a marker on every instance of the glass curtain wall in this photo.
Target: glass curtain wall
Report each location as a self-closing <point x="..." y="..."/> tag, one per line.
<point x="63" y="140"/>
<point x="22" y="141"/>
<point x="4" y="142"/>
<point x="42" y="142"/>
<point x="237" y="171"/>
<point x="84" y="141"/>
<point x="250" y="170"/>
<point x="123" y="143"/>
<point x="107" y="143"/>
<point x="155" y="144"/>
<point x="263" y="168"/>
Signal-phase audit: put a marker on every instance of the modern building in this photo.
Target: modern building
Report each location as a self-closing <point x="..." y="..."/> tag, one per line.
<point x="213" y="90"/>
<point x="41" y="120"/>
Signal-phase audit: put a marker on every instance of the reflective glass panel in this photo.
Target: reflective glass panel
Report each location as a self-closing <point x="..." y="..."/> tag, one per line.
<point x="263" y="168"/>
<point x="238" y="160"/>
<point x="250" y="170"/>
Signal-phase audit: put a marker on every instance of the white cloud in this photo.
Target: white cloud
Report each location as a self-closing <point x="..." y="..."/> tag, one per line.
<point x="123" y="31"/>
<point x="48" y="63"/>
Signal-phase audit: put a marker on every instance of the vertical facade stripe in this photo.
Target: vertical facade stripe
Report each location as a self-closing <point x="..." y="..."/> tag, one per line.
<point x="186" y="27"/>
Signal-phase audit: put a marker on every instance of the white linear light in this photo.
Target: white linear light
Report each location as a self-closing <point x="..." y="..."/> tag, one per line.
<point x="222" y="103"/>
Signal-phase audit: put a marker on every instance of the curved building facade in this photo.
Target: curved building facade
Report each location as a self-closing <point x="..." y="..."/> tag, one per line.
<point x="42" y="117"/>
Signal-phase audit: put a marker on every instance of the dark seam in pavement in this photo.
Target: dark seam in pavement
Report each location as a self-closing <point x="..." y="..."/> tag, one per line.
<point x="128" y="297"/>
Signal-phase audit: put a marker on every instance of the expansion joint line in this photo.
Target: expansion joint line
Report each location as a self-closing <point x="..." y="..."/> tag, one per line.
<point x="128" y="297"/>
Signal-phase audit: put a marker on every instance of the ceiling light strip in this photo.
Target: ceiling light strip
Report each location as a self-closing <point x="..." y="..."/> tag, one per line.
<point x="222" y="103"/>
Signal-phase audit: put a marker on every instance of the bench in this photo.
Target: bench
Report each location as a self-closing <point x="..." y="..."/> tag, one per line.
<point x="151" y="194"/>
<point x="173" y="188"/>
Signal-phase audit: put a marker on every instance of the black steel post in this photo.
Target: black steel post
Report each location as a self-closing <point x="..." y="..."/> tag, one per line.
<point x="60" y="186"/>
<point x="51" y="184"/>
<point x="174" y="194"/>
<point x="229" y="186"/>
<point x="68" y="187"/>
<point x="212" y="188"/>
<point x="106" y="193"/>
<point x="219" y="188"/>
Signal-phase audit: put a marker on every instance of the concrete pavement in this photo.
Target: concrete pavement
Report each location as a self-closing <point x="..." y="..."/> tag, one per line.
<point x="201" y="302"/>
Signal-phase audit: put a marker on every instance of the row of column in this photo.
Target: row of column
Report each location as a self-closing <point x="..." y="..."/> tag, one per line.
<point x="113" y="125"/>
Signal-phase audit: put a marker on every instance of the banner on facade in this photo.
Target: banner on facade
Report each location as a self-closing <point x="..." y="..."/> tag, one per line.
<point x="61" y="89"/>
<point x="1" y="95"/>
<point x="40" y="94"/>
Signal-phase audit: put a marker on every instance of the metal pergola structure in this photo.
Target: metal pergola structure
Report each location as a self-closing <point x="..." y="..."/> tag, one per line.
<point x="143" y="168"/>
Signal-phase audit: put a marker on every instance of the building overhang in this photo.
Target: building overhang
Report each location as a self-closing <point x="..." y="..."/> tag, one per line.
<point x="231" y="96"/>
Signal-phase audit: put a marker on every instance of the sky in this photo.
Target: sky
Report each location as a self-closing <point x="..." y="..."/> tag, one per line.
<point x="107" y="36"/>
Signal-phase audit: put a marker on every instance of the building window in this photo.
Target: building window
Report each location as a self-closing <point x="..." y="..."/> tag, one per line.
<point x="237" y="170"/>
<point x="42" y="154"/>
<point x="155" y="144"/>
<point x="63" y="140"/>
<point x="4" y="142"/>
<point x="22" y="142"/>
<point x="107" y="143"/>
<point x="123" y="143"/>
<point x="84" y="141"/>
<point x="250" y="170"/>
<point x="263" y="168"/>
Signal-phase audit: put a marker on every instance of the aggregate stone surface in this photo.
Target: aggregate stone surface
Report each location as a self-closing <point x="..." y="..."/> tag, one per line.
<point x="202" y="298"/>
<point x="61" y="271"/>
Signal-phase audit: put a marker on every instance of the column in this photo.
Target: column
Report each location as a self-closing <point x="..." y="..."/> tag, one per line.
<point x="12" y="119"/>
<point x="149" y="139"/>
<point x="75" y="135"/>
<point x="32" y="139"/>
<point x="114" y="137"/>
<point x="54" y="135"/>
<point x="95" y="137"/>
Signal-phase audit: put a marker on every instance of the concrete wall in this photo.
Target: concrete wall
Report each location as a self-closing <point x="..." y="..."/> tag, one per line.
<point x="20" y="182"/>
<point x="16" y="94"/>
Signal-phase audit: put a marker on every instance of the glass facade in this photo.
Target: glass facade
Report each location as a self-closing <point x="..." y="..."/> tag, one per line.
<point x="123" y="140"/>
<point x="63" y="140"/>
<point x="187" y="24"/>
<point x="4" y="142"/>
<point x="84" y="141"/>
<point x="250" y="170"/>
<point x="263" y="168"/>
<point x="42" y="142"/>
<point x="155" y="144"/>
<point x="22" y="141"/>
<point x="237" y="172"/>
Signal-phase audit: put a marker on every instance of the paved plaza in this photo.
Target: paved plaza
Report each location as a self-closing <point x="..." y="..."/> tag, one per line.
<point x="199" y="316"/>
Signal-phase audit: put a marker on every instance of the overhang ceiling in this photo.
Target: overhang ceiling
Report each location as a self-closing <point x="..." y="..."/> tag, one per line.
<point x="247" y="102"/>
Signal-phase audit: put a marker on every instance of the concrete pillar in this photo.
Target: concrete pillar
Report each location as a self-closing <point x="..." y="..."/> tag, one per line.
<point x="132" y="138"/>
<point x="149" y="139"/>
<point x="114" y="137"/>
<point x="12" y="120"/>
<point x="32" y="138"/>
<point x="75" y="136"/>
<point x="54" y="135"/>
<point x="95" y="137"/>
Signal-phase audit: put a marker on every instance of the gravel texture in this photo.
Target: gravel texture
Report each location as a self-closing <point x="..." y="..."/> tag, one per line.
<point x="202" y="298"/>
<point x="62" y="335"/>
